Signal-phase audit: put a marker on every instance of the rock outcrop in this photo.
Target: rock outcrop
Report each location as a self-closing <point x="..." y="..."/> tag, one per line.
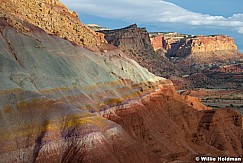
<point x="53" y="17"/>
<point x="130" y="38"/>
<point x="202" y="47"/>
<point x="157" y="42"/>
<point x="201" y="44"/>
<point x="135" y="42"/>
<point x="60" y="102"/>
<point x="199" y="57"/>
<point x="180" y="45"/>
<point x="213" y="43"/>
<point x="164" y="40"/>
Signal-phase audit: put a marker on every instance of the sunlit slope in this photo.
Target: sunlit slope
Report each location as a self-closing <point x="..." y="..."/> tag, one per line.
<point x="51" y="92"/>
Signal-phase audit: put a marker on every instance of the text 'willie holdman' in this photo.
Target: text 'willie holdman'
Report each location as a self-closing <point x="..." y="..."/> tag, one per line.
<point x="219" y="159"/>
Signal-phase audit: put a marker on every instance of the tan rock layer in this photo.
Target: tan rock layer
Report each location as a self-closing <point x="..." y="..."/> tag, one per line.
<point x="54" y="18"/>
<point x="212" y="43"/>
<point x="180" y="46"/>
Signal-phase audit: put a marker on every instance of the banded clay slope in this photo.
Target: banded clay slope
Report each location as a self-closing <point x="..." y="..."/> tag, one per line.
<point x="54" y="18"/>
<point x="51" y="96"/>
<point x="60" y="102"/>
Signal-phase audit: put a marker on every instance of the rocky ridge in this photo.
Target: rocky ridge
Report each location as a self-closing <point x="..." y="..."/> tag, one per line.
<point x="172" y="42"/>
<point x="182" y="46"/>
<point x="130" y="38"/>
<point x="164" y="40"/>
<point x="53" y="17"/>
<point x="135" y="42"/>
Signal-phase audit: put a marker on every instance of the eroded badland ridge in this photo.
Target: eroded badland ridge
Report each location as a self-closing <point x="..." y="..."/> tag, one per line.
<point x="60" y="102"/>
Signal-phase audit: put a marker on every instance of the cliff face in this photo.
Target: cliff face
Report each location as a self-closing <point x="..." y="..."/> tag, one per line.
<point x="178" y="45"/>
<point x="213" y="43"/>
<point x="137" y="45"/>
<point x="130" y="38"/>
<point x="63" y="103"/>
<point x="165" y="40"/>
<point x="53" y="17"/>
<point x="157" y="42"/>
<point x="201" y="44"/>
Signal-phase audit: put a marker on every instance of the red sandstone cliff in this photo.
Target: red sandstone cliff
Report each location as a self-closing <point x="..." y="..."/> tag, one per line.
<point x="212" y="43"/>
<point x="201" y="44"/>
<point x="199" y="57"/>
<point x="165" y="40"/>
<point x="157" y="42"/>
<point x="177" y="45"/>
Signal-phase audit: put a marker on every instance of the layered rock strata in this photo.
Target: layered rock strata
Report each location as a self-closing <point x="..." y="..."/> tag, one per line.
<point x="201" y="44"/>
<point x="179" y="45"/>
<point x="199" y="57"/>
<point x="130" y="38"/>
<point x="164" y="41"/>
<point x="136" y="43"/>
<point x="52" y="93"/>
<point x="60" y="102"/>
